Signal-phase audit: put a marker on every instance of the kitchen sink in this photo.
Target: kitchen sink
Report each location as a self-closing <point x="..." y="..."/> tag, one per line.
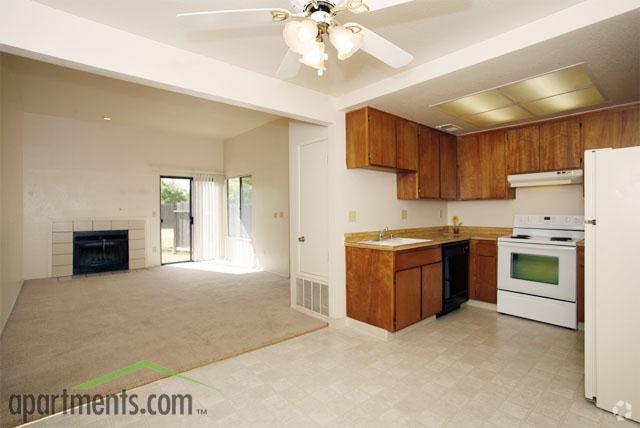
<point x="396" y="242"/>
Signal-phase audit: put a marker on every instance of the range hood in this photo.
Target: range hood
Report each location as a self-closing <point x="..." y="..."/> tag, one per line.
<point x="555" y="178"/>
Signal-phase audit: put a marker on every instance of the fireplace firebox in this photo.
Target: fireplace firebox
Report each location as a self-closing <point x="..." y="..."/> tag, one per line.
<point x="100" y="251"/>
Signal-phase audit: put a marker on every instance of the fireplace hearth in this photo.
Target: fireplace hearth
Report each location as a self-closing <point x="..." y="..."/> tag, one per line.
<point x="100" y="251"/>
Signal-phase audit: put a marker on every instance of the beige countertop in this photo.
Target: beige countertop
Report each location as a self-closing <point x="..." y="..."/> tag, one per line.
<point x="437" y="235"/>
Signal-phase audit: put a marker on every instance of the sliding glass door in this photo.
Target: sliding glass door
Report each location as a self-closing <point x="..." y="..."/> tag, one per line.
<point x="176" y="219"/>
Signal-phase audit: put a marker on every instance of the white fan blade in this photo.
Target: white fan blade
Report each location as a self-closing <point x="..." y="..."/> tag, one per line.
<point x="378" y="4"/>
<point x="234" y="17"/>
<point x="290" y="65"/>
<point x="381" y="48"/>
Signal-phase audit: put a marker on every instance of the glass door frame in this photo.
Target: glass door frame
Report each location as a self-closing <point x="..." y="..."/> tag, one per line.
<point x="162" y="263"/>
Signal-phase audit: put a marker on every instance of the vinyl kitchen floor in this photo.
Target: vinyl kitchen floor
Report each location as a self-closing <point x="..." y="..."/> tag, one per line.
<point x="471" y="368"/>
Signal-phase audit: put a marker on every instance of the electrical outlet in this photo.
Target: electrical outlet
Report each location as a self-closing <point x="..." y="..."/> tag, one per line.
<point x="281" y="214"/>
<point x="403" y="214"/>
<point x="275" y="215"/>
<point x="352" y="216"/>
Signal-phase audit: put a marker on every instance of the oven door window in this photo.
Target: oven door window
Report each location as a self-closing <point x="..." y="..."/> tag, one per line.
<point x="535" y="268"/>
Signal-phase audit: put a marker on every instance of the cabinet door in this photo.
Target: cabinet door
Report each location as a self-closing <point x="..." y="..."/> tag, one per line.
<point x="431" y="289"/>
<point x="612" y="128"/>
<point x="560" y="144"/>
<point x="493" y="163"/>
<point x="382" y="139"/>
<point x="469" y="168"/>
<point x="407" y="296"/>
<point x="407" y="145"/>
<point x="523" y="149"/>
<point x="429" y="164"/>
<point x="483" y="272"/>
<point x="448" y="167"/>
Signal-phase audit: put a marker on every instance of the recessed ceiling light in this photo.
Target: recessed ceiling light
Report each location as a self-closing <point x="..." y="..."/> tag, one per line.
<point x="564" y="102"/>
<point x="107" y="118"/>
<point x="473" y="104"/>
<point x="499" y="116"/>
<point x="558" y="82"/>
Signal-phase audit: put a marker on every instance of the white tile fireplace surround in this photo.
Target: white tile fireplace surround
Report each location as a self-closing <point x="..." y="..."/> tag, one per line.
<point x="62" y="242"/>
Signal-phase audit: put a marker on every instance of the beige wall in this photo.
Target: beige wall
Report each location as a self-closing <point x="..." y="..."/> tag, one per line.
<point x="81" y="169"/>
<point x="11" y="224"/>
<point x="263" y="153"/>
<point x="531" y="200"/>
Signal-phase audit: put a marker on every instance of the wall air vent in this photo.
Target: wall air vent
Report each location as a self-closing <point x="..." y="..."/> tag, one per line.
<point x="449" y="127"/>
<point x="313" y="296"/>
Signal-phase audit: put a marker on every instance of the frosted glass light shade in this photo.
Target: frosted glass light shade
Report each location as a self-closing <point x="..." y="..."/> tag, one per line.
<point x="300" y="36"/>
<point x="345" y="41"/>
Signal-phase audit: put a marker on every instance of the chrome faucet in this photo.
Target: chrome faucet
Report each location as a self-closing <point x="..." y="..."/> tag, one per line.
<point x="381" y="234"/>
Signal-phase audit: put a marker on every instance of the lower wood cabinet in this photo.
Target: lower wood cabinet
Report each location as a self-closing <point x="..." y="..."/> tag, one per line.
<point x="408" y="292"/>
<point x="393" y="290"/>
<point x="483" y="270"/>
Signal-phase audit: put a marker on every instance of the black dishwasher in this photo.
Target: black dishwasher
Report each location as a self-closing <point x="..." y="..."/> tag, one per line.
<point x="455" y="278"/>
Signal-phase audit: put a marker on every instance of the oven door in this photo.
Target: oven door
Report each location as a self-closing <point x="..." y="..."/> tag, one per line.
<point x="538" y="270"/>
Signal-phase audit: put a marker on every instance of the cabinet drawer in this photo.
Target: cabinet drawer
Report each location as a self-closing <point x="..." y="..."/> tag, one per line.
<point x="418" y="258"/>
<point x="486" y="248"/>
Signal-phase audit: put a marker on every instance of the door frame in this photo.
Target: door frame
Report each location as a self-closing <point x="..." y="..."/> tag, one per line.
<point x="162" y="263"/>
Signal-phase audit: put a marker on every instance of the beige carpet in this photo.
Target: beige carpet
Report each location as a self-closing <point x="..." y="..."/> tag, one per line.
<point x="63" y="333"/>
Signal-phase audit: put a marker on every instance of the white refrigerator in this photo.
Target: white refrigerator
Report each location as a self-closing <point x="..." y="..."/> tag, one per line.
<point x="612" y="280"/>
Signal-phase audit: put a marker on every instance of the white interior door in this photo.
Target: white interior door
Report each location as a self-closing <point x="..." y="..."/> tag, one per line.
<point x="617" y="284"/>
<point x="313" y="251"/>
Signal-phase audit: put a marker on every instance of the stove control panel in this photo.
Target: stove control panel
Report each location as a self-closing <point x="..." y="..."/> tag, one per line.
<point x="549" y="221"/>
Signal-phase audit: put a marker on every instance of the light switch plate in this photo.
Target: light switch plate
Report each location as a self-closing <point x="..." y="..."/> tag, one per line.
<point x="352" y="216"/>
<point x="403" y="214"/>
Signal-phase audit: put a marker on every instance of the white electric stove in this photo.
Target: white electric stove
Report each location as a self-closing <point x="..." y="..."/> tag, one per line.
<point x="537" y="268"/>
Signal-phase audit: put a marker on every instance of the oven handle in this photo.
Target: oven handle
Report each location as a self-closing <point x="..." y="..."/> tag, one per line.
<point x="558" y="248"/>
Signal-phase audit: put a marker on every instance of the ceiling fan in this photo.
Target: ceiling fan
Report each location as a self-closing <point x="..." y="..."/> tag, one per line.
<point x="312" y="23"/>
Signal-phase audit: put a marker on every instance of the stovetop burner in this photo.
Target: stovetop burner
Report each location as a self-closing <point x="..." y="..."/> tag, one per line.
<point x="561" y="239"/>
<point x="521" y="236"/>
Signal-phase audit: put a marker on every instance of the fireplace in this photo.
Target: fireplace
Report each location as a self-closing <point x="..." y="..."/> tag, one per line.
<point x="100" y="251"/>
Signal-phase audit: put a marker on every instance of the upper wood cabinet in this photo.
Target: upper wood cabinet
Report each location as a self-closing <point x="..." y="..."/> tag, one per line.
<point x="436" y="176"/>
<point x="523" y="149"/>
<point x="448" y="167"/>
<point x="482" y="167"/>
<point x="380" y="140"/>
<point x="560" y="144"/>
<point x="616" y="128"/>
<point x="406" y="145"/>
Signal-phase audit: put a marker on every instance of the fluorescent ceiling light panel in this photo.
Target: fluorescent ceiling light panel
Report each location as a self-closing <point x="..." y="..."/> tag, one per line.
<point x="473" y="104"/>
<point x="550" y="84"/>
<point x="564" y="102"/>
<point x="498" y="116"/>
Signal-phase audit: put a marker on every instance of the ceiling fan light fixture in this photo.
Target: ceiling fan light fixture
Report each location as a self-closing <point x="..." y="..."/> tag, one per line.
<point x="345" y="41"/>
<point x="300" y="36"/>
<point x="315" y="57"/>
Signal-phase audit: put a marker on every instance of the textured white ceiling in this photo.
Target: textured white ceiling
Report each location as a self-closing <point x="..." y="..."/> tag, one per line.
<point x="59" y="91"/>
<point x="426" y="28"/>
<point x="609" y="49"/>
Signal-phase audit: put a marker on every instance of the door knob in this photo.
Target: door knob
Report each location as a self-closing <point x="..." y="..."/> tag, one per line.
<point x="301" y="239"/>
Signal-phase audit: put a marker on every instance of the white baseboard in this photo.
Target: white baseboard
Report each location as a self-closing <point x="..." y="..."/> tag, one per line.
<point x="382" y="334"/>
<point x="483" y="305"/>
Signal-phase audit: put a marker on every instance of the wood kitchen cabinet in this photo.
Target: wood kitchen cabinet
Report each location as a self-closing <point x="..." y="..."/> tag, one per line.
<point x="436" y="175"/>
<point x="482" y="167"/>
<point x="580" y="282"/>
<point x="560" y="144"/>
<point x="380" y="140"/>
<point x="523" y="149"/>
<point x="616" y="128"/>
<point x="393" y="290"/>
<point x="448" y="166"/>
<point x="483" y="270"/>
